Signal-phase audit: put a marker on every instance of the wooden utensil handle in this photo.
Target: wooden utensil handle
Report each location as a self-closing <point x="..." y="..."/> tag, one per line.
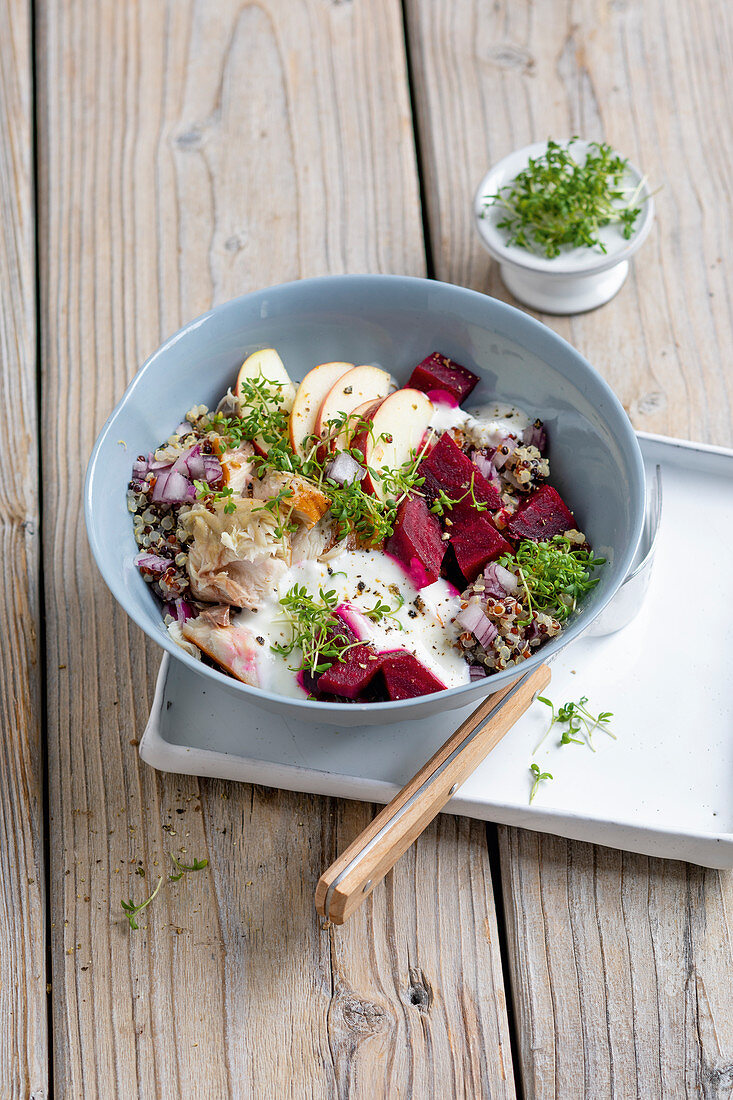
<point x="348" y="881"/>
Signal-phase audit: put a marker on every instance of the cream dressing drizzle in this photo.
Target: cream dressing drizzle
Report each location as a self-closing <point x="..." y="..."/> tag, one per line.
<point x="425" y="618"/>
<point x="487" y="425"/>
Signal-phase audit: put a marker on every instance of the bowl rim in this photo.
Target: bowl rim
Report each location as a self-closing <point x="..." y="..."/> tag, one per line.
<point x="567" y="265"/>
<point x="628" y="444"/>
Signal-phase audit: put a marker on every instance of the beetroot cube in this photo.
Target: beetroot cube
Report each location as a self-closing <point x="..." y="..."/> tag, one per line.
<point x="351" y="676"/>
<point x="464" y="516"/>
<point x="476" y="542"/>
<point x="406" y="677"/>
<point x="438" y="372"/>
<point x="541" y="516"/>
<point x="449" y="469"/>
<point x="416" y="541"/>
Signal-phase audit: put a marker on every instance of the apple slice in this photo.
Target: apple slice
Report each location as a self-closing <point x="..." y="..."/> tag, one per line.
<point x="398" y="427"/>
<point x="267" y="364"/>
<point x="349" y="435"/>
<point x="308" y="400"/>
<point x="356" y="387"/>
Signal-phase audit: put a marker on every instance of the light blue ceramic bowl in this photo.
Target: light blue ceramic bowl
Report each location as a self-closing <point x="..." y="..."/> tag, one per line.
<point x="394" y="321"/>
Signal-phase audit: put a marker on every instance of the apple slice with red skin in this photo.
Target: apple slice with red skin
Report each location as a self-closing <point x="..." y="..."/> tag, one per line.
<point x="266" y="364"/>
<point x="352" y="433"/>
<point x="308" y="400"/>
<point x="398" y="426"/>
<point x="357" y="386"/>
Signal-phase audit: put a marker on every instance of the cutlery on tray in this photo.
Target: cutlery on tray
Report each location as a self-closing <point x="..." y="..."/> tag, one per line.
<point x="353" y="876"/>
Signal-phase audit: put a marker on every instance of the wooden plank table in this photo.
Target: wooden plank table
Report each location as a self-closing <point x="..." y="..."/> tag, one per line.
<point x="157" y="158"/>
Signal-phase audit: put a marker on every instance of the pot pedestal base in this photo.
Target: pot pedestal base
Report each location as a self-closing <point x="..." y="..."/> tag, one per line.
<point x="563" y="294"/>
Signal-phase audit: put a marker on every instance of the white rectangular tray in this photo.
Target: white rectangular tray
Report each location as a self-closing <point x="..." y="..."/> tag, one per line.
<point x="664" y="788"/>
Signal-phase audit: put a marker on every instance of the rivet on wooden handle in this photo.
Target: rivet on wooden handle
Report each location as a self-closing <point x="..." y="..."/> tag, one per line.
<point x="348" y="881"/>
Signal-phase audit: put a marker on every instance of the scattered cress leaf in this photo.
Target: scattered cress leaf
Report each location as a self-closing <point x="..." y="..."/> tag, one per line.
<point x="578" y="720"/>
<point x="539" y="777"/>
<point x="182" y="868"/>
<point x="131" y="909"/>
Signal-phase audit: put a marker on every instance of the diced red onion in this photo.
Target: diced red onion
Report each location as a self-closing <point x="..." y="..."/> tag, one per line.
<point x="191" y="463"/>
<point x="178" y="489"/>
<point x="485" y="633"/>
<point x="213" y="472"/>
<point x="183" y="428"/>
<point x="480" y="625"/>
<point x="483" y="463"/>
<point x="154" y="464"/>
<point x="535" y="436"/>
<point x="355" y="620"/>
<point x="344" y="469"/>
<point x="485" y="466"/>
<point x="175" y="488"/>
<point x="184" y="610"/>
<point x="152" y="563"/>
<point x="174" y="481"/>
<point x="199" y="466"/>
<point x="204" y="466"/>
<point x="503" y="451"/>
<point x="180" y="466"/>
<point x="476" y="672"/>
<point x="161" y="481"/>
<point x="139" y="468"/>
<point x="499" y="581"/>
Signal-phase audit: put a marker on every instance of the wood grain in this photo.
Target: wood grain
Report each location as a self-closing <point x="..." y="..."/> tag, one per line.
<point x="652" y="78"/>
<point x="621" y="966"/>
<point x="23" y="999"/>
<point x="190" y="152"/>
<point x="621" y="971"/>
<point x="432" y="970"/>
<point x="346" y="884"/>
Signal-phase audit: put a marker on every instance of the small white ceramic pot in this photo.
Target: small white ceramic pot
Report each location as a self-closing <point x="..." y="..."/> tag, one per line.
<point x="580" y="278"/>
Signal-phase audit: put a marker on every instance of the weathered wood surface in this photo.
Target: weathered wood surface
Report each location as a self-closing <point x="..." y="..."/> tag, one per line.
<point x="651" y="78"/>
<point x="621" y="967"/>
<point x="189" y="152"/>
<point x="359" y="869"/>
<point x="23" y="999"/>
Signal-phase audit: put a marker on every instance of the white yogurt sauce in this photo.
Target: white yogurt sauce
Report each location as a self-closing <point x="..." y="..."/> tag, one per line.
<point x="425" y="627"/>
<point x="487" y="425"/>
<point x="447" y="416"/>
